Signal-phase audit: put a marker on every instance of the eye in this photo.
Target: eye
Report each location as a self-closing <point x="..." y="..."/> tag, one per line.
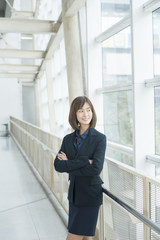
<point x="80" y="110"/>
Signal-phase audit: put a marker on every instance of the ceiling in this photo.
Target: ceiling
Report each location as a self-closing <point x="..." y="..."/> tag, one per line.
<point x="25" y="23"/>
<point x="29" y="63"/>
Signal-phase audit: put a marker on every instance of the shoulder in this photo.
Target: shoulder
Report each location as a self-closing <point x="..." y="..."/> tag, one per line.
<point x="69" y="136"/>
<point x="99" y="135"/>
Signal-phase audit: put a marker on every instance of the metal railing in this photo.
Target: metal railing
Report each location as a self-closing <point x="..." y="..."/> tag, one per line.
<point x="131" y="208"/>
<point x="138" y="215"/>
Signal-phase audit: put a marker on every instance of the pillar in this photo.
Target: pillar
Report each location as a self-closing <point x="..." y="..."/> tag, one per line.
<point x="73" y="56"/>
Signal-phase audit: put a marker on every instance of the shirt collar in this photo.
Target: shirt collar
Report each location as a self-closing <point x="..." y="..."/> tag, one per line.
<point x="84" y="135"/>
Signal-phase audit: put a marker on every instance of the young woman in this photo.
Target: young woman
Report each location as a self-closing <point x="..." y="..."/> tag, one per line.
<point x="82" y="155"/>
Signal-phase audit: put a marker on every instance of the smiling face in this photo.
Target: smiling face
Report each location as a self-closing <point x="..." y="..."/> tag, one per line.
<point x="83" y="112"/>
<point x="84" y="115"/>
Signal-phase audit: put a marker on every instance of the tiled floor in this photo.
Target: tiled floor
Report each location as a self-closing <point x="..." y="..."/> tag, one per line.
<point x="25" y="211"/>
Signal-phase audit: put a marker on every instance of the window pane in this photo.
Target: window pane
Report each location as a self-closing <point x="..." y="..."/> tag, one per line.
<point x="122" y="157"/>
<point x="118" y="117"/>
<point x="60" y="91"/>
<point x="116" y="53"/>
<point x="113" y="11"/>
<point x="44" y="103"/>
<point x="157" y="119"/>
<point x="52" y="8"/>
<point x="156" y="41"/>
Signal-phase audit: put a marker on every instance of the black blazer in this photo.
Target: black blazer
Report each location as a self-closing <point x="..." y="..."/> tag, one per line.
<point x="85" y="184"/>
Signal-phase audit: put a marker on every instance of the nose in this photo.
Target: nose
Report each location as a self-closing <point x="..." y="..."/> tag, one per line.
<point x="85" y="113"/>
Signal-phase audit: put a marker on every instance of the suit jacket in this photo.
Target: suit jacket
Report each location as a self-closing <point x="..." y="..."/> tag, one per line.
<point x="85" y="183"/>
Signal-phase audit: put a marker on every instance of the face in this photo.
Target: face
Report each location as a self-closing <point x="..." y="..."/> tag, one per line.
<point x="84" y="115"/>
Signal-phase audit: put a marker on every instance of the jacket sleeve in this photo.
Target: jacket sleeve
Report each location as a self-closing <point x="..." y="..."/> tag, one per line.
<point x="69" y="165"/>
<point x="98" y="159"/>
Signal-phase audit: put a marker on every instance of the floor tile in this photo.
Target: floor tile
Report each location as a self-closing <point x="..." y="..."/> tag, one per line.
<point x="25" y="211"/>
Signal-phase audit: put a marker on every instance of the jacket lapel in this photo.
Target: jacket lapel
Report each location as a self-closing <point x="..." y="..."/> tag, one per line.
<point x="85" y="144"/>
<point x="70" y="145"/>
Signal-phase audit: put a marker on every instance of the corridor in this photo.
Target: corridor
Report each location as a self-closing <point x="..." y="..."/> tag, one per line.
<point x="26" y="213"/>
<point x="51" y="52"/>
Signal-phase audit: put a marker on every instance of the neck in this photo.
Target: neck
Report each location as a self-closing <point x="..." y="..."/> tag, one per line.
<point x="83" y="128"/>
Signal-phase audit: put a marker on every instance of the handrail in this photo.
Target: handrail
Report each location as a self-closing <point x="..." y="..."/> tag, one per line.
<point x="33" y="137"/>
<point x="134" y="212"/>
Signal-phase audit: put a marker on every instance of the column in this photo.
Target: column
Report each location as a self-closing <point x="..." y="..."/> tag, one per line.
<point x="142" y="44"/>
<point x="73" y="55"/>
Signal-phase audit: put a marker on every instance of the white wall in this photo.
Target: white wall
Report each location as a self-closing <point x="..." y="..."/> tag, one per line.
<point x="10" y="89"/>
<point x="10" y="99"/>
<point x="28" y="103"/>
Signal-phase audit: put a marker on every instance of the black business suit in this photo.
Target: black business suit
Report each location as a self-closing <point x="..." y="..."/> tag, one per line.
<point x="85" y="184"/>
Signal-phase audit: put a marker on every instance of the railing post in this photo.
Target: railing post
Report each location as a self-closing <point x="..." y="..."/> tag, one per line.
<point x="146" y="207"/>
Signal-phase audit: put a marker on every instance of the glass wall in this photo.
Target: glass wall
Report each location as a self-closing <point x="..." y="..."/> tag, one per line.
<point x="157" y="120"/>
<point x="156" y="47"/>
<point x="113" y="11"/>
<point x="117" y="72"/>
<point x="59" y="75"/>
<point x="116" y="53"/>
<point x="60" y="91"/>
<point x="156" y="41"/>
<point x="52" y="9"/>
<point x="118" y="117"/>
<point x="44" y="103"/>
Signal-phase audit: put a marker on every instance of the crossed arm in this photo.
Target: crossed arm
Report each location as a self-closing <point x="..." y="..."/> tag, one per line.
<point x="82" y="166"/>
<point x="63" y="156"/>
<point x="62" y="164"/>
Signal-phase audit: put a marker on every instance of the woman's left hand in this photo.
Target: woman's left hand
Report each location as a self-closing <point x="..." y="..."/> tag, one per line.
<point x="90" y="161"/>
<point x="62" y="156"/>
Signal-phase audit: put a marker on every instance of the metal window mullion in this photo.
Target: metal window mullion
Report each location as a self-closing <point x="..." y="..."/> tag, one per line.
<point x="154" y="159"/>
<point x="120" y="147"/>
<point x="151" y="5"/>
<point x="154" y="82"/>
<point x="125" y="22"/>
<point x="115" y="88"/>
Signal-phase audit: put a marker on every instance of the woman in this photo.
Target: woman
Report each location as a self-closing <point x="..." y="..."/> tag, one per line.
<point x="82" y="155"/>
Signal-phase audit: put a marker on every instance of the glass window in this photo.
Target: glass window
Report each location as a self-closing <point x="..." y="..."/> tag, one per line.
<point x="118" y="117"/>
<point x="116" y="54"/>
<point x="121" y="157"/>
<point x="118" y="105"/>
<point x="52" y="9"/>
<point x="157" y="120"/>
<point x="156" y="48"/>
<point x="156" y="41"/>
<point x="113" y="11"/>
<point x="44" y="103"/>
<point x="60" y="91"/>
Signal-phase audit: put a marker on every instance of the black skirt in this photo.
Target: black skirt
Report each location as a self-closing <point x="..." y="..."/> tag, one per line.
<point x="82" y="219"/>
